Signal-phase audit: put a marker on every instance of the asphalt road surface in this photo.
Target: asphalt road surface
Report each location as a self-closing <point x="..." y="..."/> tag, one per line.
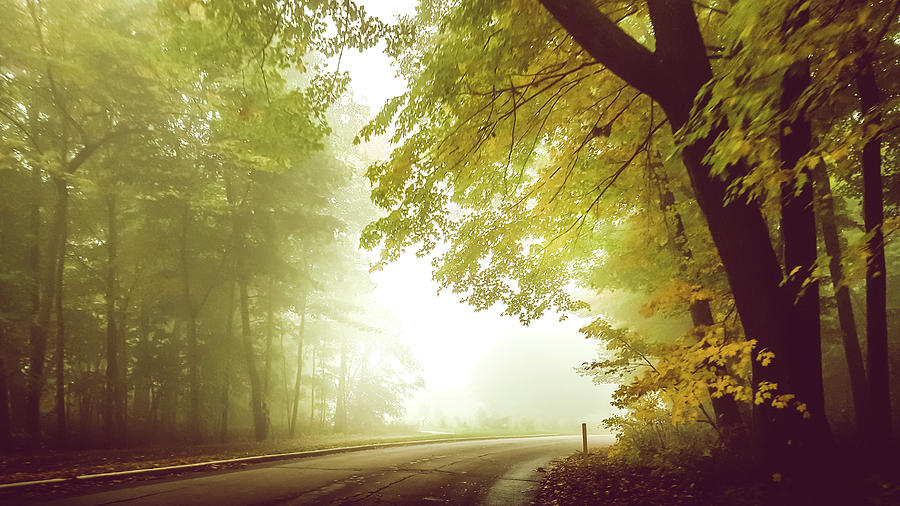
<point x="497" y="471"/>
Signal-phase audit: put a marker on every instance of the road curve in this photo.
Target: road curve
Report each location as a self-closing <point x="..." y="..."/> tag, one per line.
<point x="497" y="471"/>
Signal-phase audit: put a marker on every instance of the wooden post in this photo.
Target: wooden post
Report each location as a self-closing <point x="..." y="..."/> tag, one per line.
<point x="584" y="436"/>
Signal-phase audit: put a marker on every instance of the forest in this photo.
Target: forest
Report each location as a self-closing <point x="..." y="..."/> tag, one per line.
<point x="179" y="229"/>
<point x="190" y="214"/>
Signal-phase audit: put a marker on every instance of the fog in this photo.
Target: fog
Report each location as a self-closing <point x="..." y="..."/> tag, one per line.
<point x="196" y="266"/>
<point x="487" y="371"/>
<point x="481" y="370"/>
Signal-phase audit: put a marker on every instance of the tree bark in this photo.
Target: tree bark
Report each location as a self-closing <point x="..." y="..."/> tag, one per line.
<point x="295" y="399"/>
<point x="876" y="272"/>
<point x="849" y="334"/>
<point x="62" y="193"/>
<point x="194" y="428"/>
<point x="42" y="298"/>
<point x="5" y="427"/>
<point x="798" y="231"/>
<point x="112" y="406"/>
<point x="42" y="304"/>
<point x="270" y="334"/>
<point x="260" y="425"/>
<point x="36" y="336"/>
<point x="672" y="75"/>
<point x="141" y="404"/>
<point x="5" y="419"/>
<point x="229" y="329"/>
<point x="260" y="421"/>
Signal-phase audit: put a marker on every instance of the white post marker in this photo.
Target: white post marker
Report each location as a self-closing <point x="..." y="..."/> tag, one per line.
<point x="584" y="436"/>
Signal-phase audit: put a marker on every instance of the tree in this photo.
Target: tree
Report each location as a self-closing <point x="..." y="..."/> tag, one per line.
<point x="511" y="158"/>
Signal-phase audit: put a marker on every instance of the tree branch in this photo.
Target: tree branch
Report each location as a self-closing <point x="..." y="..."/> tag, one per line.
<point x="82" y="156"/>
<point x="681" y="52"/>
<point x="609" y="44"/>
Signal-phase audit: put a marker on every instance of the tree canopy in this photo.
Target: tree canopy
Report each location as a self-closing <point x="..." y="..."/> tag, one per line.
<point x="714" y="184"/>
<point x="665" y="151"/>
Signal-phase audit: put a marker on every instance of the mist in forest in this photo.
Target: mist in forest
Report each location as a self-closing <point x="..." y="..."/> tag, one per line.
<point x="181" y="247"/>
<point x="231" y="222"/>
<point x="487" y="372"/>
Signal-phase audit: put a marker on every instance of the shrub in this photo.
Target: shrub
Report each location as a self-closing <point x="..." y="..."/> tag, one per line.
<point x="653" y="439"/>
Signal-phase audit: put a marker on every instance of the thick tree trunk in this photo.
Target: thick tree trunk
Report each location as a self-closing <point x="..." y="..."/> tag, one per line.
<point x="798" y="231"/>
<point x="876" y="273"/>
<point x="754" y="275"/>
<point x="849" y="335"/>
<point x="62" y="193"/>
<point x="112" y="406"/>
<point x="194" y="428"/>
<point x="672" y="75"/>
<point x="295" y="398"/>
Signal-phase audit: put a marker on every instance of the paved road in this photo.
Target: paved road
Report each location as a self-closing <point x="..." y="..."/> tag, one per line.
<point x="497" y="471"/>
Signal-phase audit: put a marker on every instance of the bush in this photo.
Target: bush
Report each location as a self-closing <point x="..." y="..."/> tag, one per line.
<point x="653" y="440"/>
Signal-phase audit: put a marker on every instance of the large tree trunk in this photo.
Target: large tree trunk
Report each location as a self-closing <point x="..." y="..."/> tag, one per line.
<point x="194" y="428"/>
<point x="849" y="335"/>
<point x="295" y="398"/>
<point x="62" y="193"/>
<point x="672" y="75"/>
<point x="876" y="273"/>
<point x="798" y="231"/>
